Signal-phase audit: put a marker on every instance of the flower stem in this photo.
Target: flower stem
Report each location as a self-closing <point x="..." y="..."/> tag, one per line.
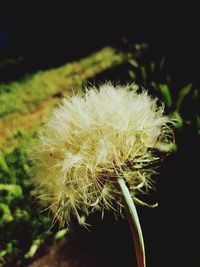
<point x="134" y="223"/>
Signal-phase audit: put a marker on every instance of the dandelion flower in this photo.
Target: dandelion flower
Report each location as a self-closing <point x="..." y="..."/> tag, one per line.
<point x="92" y="140"/>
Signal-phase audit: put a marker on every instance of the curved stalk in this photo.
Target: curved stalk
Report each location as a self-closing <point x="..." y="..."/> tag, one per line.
<point x="134" y="222"/>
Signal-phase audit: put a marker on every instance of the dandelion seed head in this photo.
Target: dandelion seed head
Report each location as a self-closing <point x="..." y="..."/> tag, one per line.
<point x="90" y="140"/>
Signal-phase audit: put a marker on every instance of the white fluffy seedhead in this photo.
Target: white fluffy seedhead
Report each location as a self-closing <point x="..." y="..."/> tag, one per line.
<point x="91" y="140"/>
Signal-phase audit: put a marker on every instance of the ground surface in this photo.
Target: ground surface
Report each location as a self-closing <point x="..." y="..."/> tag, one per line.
<point x="106" y="244"/>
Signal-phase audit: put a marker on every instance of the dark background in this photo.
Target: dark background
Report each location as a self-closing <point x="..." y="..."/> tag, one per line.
<point x="44" y="36"/>
<point x="49" y="34"/>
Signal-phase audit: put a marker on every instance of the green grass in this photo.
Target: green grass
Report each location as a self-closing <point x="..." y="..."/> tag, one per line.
<point x="25" y="95"/>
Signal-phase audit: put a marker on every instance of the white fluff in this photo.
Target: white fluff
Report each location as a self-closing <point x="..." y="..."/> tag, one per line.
<point x="91" y="140"/>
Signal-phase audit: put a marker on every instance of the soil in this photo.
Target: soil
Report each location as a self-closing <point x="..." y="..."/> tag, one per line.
<point x="96" y="248"/>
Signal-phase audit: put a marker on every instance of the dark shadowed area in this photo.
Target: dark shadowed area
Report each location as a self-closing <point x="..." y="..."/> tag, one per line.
<point x="39" y="36"/>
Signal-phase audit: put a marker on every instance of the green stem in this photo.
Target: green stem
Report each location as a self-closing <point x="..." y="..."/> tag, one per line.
<point x="134" y="222"/>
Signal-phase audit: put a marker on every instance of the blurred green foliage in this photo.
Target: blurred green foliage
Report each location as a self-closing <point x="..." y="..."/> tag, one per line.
<point x="21" y="220"/>
<point x="24" y="96"/>
<point x="182" y="103"/>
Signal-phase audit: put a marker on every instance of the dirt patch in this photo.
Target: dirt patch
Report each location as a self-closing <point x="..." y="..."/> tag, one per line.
<point x="108" y="245"/>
